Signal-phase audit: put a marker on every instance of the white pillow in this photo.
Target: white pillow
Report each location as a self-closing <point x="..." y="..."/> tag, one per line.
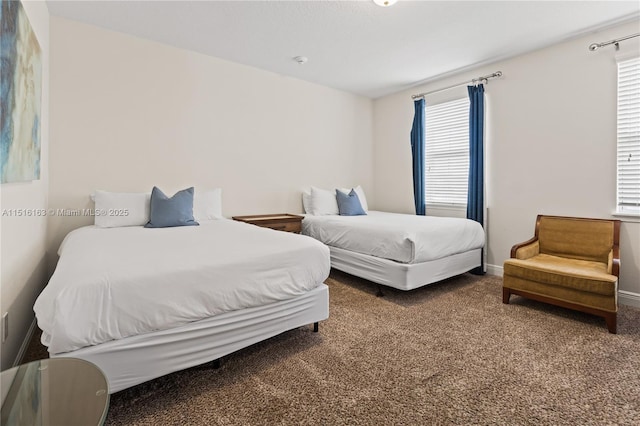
<point x="323" y="202"/>
<point x="115" y="209"/>
<point x="361" y="197"/>
<point x="207" y="205"/>
<point x="306" y="201"/>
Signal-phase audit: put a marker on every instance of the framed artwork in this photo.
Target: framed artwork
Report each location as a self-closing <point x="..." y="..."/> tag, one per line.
<point x="21" y="90"/>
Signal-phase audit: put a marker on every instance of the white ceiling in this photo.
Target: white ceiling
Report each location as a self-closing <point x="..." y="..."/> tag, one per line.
<point x="355" y="45"/>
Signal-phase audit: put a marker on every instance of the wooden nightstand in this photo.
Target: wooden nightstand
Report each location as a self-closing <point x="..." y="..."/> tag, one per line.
<point x="281" y="222"/>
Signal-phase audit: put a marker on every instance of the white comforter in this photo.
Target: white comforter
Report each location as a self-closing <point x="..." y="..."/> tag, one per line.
<point x="118" y="282"/>
<point x="400" y="237"/>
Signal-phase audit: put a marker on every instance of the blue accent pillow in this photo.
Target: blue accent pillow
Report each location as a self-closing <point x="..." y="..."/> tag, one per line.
<point x="166" y="212"/>
<point x="349" y="204"/>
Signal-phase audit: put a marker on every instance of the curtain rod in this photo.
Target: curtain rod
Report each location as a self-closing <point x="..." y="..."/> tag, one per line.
<point x="594" y="46"/>
<point x="483" y="79"/>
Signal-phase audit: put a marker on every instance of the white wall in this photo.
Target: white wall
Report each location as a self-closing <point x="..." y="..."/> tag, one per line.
<point x="128" y="114"/>
<point x="551" y="145"/>
<point x="22" y="260"/>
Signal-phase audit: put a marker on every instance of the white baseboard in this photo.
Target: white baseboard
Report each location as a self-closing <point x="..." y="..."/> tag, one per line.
<point x="495" y="270"/>
<point x="629" y="298"/>
<point x="25" y="343"/>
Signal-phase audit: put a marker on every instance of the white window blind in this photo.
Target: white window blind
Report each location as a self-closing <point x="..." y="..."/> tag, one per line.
<point x="629" y="136"/>
<point x="447" y="153"/>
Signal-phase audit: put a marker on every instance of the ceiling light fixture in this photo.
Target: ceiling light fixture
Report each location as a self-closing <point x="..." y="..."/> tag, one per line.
<point x="385" y="3"/>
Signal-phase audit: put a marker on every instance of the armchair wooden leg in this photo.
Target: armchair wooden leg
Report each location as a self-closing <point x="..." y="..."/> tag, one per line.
<point x="506" y="295"/>
<point x="612" y="322"/>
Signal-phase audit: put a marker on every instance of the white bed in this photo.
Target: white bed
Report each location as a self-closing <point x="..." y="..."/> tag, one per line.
<point x="141" y="303"/>
<point x="399" y="250"/>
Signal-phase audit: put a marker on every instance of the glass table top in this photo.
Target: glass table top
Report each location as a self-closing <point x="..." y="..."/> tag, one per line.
<point x="56" y="391"/>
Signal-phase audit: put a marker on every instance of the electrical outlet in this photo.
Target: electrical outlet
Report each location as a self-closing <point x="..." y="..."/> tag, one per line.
<point x="5" y="326"/>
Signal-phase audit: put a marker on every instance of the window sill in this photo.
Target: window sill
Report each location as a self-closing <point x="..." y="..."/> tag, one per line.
<point x="627" y="216"/>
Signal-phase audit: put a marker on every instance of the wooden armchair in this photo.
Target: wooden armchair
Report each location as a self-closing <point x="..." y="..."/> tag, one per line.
<point x="570" y="262"/>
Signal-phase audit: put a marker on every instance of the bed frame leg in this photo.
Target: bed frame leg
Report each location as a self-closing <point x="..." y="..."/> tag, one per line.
<point x="216" y="363"/>
<point x="315" y="327"/>
<point x="379" y="293"/>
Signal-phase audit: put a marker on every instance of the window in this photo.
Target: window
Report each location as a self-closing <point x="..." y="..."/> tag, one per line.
<point x="629" y="136"/>
<point x="447" y="153"/>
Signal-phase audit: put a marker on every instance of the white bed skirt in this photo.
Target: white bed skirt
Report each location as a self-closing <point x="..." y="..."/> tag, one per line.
<point x="403" y="276"/>
<point x="137" y="359"/>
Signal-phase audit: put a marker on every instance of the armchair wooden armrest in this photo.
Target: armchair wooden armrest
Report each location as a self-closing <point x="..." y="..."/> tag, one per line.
<point x="526" y="249"/>
<point x="615" y="267"/>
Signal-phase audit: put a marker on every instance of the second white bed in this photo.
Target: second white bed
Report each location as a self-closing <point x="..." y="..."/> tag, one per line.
<point x="399" y="250"/>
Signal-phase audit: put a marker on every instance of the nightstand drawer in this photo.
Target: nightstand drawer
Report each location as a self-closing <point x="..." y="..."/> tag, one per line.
<point x="287" y="226"/>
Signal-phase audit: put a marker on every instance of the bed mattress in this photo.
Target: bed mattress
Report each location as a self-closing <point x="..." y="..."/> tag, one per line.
<point x="114" y="283"/>
<point x="398" y="237"/>
<point x="403" y="276"/>
<point x="136" y="359"/>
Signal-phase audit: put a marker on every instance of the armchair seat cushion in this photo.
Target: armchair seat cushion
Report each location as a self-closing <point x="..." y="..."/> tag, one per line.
<point x="584" y="275"/>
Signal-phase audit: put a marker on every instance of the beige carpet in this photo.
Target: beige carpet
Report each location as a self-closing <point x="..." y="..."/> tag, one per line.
<point x="450" y="353"/>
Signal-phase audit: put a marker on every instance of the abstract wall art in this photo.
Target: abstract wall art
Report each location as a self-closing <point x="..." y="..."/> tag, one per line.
<point x="21" y="90"/>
